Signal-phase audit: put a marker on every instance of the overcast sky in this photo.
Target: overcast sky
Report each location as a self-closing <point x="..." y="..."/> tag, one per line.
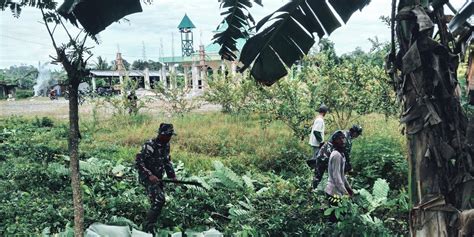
<point x="25" y="40"/>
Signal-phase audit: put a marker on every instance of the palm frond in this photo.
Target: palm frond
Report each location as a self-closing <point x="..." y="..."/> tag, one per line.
<point x="288" y="35"/>
<point x="242" y="211"/>
<point x="200" y="180"/>
<point x="237" y="21"/>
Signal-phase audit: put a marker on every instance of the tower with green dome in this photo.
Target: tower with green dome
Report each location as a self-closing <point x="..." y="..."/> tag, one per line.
<point x="185" y="28"/>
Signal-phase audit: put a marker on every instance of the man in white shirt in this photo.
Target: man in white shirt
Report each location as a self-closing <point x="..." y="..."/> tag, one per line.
<point x="317" y="131"/>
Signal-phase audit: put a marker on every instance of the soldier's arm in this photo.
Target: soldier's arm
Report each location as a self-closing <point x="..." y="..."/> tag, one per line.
<point x="168" y="165"/>
<point x="140" y="163"/>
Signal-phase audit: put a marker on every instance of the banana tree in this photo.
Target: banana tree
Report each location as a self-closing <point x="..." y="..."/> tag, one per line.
<point x="440" y="159"/>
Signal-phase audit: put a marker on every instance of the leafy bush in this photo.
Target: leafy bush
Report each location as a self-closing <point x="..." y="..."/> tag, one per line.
<point x="176" y="99"/>
<point x="255" y="181"/>
<point x="43" y="122"/>
<point x="286" y="161"/>
<point x="233" y="93"/>
<point x="376" y="157"/>
<point x="21" y="94"/>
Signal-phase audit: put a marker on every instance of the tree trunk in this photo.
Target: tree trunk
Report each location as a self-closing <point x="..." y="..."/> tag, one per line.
<point x="439" y="160"/>
<point x="74" y="157"/>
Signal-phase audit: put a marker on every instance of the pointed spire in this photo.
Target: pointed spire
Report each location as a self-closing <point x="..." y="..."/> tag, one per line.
<point x="119" y="62"/>
<point x="186" y="23"/>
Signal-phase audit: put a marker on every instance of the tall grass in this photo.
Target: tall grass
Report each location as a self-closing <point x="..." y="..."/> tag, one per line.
<point x="239" y="141"/>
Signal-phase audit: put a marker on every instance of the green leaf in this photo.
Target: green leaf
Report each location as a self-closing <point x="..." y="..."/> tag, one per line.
<point x="234" y="26"/>
<point x="328" y="211"/>
<point x="95" y="16"/>
<point x="380" y="190"/>
<point x="290" y="36"/>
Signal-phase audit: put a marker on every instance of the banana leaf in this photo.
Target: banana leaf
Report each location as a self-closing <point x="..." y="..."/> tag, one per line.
<point x="96" y="15"/>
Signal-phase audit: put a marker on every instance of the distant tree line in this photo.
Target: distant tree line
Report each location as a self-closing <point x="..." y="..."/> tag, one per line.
<point x="24" y="76"/>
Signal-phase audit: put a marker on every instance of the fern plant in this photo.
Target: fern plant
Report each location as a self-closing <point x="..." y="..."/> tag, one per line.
<point x="225" y="176"/>
<point x="243" y="211"/>
<point x="378" y="196"/>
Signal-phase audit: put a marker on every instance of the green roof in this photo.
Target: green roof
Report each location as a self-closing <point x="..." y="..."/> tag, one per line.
<point x="186" y="23"/>
<point x="212" y="54"/>
<point x="215" y="47"/>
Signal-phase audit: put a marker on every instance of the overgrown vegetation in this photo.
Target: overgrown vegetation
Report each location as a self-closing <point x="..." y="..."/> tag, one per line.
<point x="255" y="180"/>
<point x="351" y="85"/>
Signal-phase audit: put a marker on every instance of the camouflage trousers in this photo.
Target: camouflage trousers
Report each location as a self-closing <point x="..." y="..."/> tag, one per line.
<point x="157" y="201"/>
<point x="319" y="170"/>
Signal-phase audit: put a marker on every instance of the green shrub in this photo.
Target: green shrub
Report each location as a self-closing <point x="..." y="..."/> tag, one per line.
<point x="21" y="94"/>
<point x="376" y="157"/>
<point x="43" y="122"/>
<point x="260" y="187"/>
<point x="288" y="160"/>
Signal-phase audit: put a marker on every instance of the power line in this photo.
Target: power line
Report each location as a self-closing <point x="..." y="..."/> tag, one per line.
<point x="23" y="40"/>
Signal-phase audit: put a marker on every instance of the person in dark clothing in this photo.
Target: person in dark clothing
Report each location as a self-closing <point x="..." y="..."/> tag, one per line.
<point x="321" y="163"/>
<point x="354" y="132"/>
<point x="132" y="100"/>
<point x="152" y="162"/>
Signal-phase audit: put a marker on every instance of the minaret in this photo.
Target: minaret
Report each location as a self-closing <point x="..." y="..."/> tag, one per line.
<point x="121" y="70"/>
<point x="185" y="28"/>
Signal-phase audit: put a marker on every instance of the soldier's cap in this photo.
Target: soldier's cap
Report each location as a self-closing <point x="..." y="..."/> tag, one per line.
<point x="166" y="129"/>
<point x="356" y="128"/>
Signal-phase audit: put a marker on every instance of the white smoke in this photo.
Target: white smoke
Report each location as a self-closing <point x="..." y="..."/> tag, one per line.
<point x="43" y="80"/>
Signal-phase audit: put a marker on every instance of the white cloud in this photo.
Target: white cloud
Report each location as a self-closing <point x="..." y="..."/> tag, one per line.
<point x="25" y="40"/>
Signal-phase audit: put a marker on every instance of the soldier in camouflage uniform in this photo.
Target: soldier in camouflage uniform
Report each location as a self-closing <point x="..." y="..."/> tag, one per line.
<point x="354" y="132"/>
<point x="321" y="164"/>
<point x="152" y="161"/>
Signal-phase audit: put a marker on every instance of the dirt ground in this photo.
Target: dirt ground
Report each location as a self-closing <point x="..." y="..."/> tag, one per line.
<point x="43" y="106"/>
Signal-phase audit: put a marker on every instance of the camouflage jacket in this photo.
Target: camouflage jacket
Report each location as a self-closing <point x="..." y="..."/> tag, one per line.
<point x="154" y="159"/>
<point x="325" y="152"/>
<point x="347" y="144"/>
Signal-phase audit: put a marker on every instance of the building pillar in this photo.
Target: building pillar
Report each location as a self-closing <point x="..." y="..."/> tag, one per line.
<point x="203" y="77"/>
<point x="223" y="68"/>
<point x="94" y="86"/>
<point x="146" y="79"/>
<point x="173" y="83"/>
<point x="185" y="67"/>
<point x="195" y="77"/>
<point x="163" y="76"/>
